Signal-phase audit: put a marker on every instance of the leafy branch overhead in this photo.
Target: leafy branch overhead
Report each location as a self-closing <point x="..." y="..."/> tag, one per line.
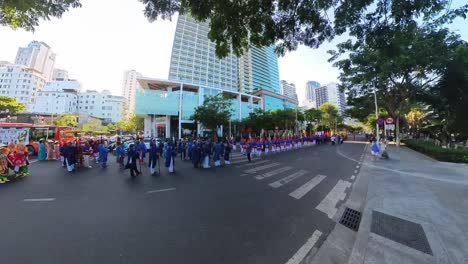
<point x="27" y="13"/>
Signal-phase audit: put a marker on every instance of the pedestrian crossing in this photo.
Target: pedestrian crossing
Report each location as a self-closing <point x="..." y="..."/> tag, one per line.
<point x="277" y="176"/>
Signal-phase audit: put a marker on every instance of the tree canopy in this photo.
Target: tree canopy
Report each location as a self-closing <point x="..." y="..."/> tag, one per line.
<point x="235" y="25"/>
<point x="215" y="111"/>
<point x="66" y="120"/>
<point x="27" y="13"/>
<point x="9" y="106"/>
<point x="330" y="117"/>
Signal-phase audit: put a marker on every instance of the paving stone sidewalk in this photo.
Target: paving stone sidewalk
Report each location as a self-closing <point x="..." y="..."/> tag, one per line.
<point x="416" y="211"/>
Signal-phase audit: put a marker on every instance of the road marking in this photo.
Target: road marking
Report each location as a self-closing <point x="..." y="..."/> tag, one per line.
<point x="328" y="204"/>
<point x="357" y="167"/>
<point x="252" y="163"/>
<point x="161" y="190"/>
<point x="39" y="200"/>
<point x="272" y="173"/>
<point x="33" y="161"/>
<point x="254" y="170"/>
<point x="287" y="179"/>
<point x="307" y="187"/>
<point x="353" y="177"/>
<point x="356" y="171"/>
<point x="305" y="249"/>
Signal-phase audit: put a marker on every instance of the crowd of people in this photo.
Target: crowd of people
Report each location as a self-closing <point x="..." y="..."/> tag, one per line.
<point x="132" y="155"/>
<point x="14" y="161"/>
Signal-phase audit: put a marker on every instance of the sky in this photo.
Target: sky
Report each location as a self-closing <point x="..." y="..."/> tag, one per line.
<point x="99" y="41"/>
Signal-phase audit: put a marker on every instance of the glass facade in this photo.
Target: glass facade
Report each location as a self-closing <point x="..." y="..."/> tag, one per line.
<point x="194" y="60"/>
<point x="155" y="102"/>
<point x="259" y="70"/>
<point x="189" y="103"/>
<point x="274" y="103"/>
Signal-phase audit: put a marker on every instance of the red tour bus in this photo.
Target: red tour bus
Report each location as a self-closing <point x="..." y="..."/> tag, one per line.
<point x="30" y="134"/>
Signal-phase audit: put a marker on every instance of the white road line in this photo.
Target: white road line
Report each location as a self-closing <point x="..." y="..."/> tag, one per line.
<point x="33" y="161"/>
<point x="253" y="163"/>
<point x="328" y="204"/>
<point x="357" y="167"/>
<point x="272" y="173"/>
<point x="356" y="171"/>
<point x="353" y="177"/>
<point x="161" y="190"/>
<point x="305" y="249"/>
<point x="254" y="170"/>
<point x="39" y="200"/>
<point x="307" y="187"/>
<point x="287" y="179"/>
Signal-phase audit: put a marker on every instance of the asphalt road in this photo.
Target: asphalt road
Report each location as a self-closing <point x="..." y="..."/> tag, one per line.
<point x="220" y="215"/>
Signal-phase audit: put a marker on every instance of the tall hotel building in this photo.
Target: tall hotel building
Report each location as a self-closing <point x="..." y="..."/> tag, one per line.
<point x="194" y="60"/>
<point x="196" y="72"/>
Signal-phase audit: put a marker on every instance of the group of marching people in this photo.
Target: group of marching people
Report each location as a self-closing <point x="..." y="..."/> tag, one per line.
<point x="74" y="154"/>
<point x="200" y="152"/>
<point x="14" y="161"/>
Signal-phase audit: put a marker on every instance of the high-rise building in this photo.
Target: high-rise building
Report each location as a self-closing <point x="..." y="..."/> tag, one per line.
<point x="194" y="61"/>
<point x="332" y="94"/>
<point x="101" y="104"/>
<point x="58" y="97"/>
<point x="129" y="86"/>
<point x="258" y="69"/>
<point x="288" y="89"/>
<point x="21" y="82"/>
<point x="37" y="56"/>
<point x="310" y="93"/>
<point x="59" y="75"/>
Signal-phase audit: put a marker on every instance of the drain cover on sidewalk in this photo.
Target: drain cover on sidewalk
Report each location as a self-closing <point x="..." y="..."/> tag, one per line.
<point x="400" y="230"/>
<point x="351" y="219"/>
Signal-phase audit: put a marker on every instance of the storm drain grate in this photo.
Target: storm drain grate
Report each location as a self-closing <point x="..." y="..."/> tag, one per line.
<point x="351" y="219"/>
<point x="401" y="231"/>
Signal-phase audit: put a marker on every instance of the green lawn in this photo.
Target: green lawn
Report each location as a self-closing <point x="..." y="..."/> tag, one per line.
<point x="436" y="152"/>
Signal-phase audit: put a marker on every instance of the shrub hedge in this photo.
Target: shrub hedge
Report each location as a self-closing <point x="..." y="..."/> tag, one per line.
<point x="436" y="152"/>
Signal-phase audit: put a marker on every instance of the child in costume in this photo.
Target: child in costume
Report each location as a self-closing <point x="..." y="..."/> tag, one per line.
<point x="22" y="154"/>
<point x="4" y="170"/>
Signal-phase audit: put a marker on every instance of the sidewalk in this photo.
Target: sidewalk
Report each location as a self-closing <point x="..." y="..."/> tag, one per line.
<point x="416" y="211"/>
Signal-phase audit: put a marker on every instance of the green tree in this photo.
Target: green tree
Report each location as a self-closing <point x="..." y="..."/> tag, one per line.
<point x="331" y="117"/>
<point x="66" y="120"/>
<point x="27" y="13"/>
<point x="236" y="25"/>
<point x="313" y="116"/>
<point x="215" y="111"/>
<point x="397" y="52"/>
<point x="9" y="106"/>
<point x="448" y="99"/>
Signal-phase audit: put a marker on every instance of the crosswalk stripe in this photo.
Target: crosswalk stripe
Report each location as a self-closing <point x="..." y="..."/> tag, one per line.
<point x="287" y="179"/>
<point x="253" y="163"/>
<point x="253" y="170"/>
<point x="307" y="187"/>
<point x="272" y="173"/>
<point x="305" y="249"/>
<point x="244" y="161"/>
<point x="328" y="204"/>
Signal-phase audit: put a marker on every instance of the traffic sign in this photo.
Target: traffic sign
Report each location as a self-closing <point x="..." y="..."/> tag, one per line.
<point x="389" y="120"/>
<point x="380" y="121"/>
<point x="390" y="126"/>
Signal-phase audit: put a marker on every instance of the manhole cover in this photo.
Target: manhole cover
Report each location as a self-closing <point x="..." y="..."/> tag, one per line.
<point x="400" y="230"/>
<point x="351" y="219"/>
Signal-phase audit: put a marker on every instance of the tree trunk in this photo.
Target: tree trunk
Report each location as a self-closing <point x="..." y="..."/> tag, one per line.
<point x="397" y="131"/>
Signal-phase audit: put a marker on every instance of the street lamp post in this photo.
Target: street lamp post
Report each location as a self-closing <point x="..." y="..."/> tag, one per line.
<point x="376" y="116"/>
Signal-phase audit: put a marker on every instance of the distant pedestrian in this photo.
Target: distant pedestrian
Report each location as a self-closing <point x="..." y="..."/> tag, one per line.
<point x="217" y="154"/>
<point x="375" y="149"/>
<point x="132" y="161"/>
<point x="227" y="153"/>
<point x="120" y="154"/>
<point x="153" y="157"/>
<point x="249" y="151"/>
<point x="69" y="153"/>
<point x="41" y="155"/>
<point x="103" y="152"/>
